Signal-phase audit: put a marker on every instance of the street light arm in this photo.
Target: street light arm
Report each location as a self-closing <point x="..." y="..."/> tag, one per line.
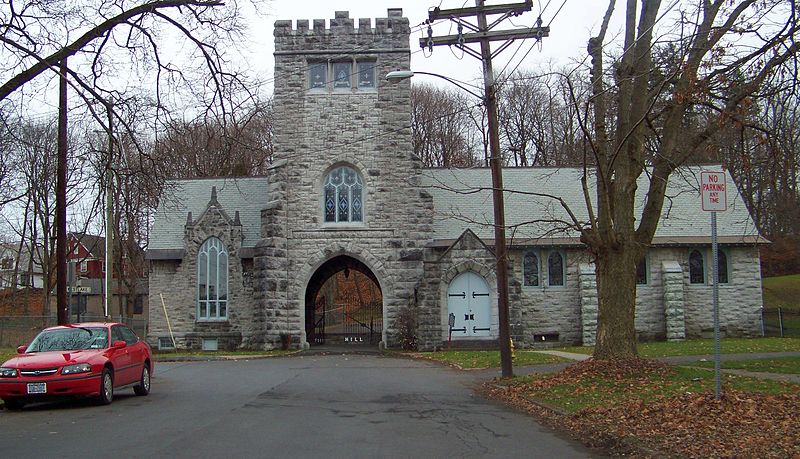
<point x="400" y="75"/>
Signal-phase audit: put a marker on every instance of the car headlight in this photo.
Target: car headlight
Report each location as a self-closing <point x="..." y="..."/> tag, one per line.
<point x="77" y="368"/>
<point x="8" y="372"/>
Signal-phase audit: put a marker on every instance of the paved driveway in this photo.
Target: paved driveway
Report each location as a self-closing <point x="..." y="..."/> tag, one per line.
<point x="302" y="406"/>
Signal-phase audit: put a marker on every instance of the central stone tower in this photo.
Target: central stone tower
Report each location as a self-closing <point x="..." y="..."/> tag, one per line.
<point x="345" y="186"/>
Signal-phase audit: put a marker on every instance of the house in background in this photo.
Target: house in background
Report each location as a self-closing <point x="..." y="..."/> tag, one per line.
<point x="19" y="268"/>
<point x="87" y="270"/>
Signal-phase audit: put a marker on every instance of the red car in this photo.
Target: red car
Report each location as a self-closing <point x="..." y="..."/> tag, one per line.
<point x="89" y="359"/>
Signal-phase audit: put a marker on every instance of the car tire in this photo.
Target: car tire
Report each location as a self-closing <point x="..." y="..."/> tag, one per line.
<point x="143" y="388"/>
<point x="106" y="388"/>
<point x="13" y="404"/>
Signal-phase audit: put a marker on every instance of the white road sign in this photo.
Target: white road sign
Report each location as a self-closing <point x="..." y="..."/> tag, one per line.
<point x="713" y="191"/>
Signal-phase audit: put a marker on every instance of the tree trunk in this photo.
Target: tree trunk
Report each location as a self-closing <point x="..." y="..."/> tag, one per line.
<point x="616" y="288"/>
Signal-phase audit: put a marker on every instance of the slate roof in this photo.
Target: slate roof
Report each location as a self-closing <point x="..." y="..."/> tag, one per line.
<point x="462" y="199"/>
<point x="248" y="195"/>
<point x="460" y="205"/>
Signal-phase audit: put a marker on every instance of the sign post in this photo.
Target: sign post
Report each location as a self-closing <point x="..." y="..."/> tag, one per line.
<point x="714" y="199"/>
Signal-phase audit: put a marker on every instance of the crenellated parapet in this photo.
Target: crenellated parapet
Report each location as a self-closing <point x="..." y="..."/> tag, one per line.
<point x="342" y="25"/>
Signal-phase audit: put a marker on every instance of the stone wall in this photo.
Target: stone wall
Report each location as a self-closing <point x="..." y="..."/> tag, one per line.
<point x="176" y="280"/>
<point x="317" y="130"/>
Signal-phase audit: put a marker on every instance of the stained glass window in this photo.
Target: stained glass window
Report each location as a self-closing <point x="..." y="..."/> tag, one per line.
<point x="530" y="270"/>
<point x="344" y="200"/>
<point x="555" y="269"/>
<point x="212" y="281"/>
<point x="366" y="75"/>
<point x="697" y="273"/>
<point x="341" y="74"/>
<point x="317" y="75"/>
<point x="722" y="267"/>
<point x="641" y="272"/>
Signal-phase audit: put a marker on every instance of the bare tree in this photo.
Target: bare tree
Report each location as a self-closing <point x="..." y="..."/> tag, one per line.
<point x="206" y="147"/>
<point x="441" y="128"/>
<point x="648" y="109"/>
<point x="32" y="152"/>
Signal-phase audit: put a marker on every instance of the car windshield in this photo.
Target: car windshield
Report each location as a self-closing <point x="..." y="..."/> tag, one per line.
<point x="69" y="339"/>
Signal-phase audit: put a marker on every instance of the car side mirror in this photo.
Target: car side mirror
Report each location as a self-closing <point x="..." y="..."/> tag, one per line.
<point x="22" y="349"/>
<point x="119" y="344"/>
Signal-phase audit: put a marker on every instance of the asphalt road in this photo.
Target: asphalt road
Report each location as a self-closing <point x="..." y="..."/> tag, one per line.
<point x="328" y="406"/>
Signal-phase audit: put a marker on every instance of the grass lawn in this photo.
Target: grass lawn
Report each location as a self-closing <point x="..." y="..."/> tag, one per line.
<point x="602" y="391"/>
<point x="470" y="360"/>
<point x="706" y="346"/>
<point x="783" y="291"/>
<point x="6" y="353"/>
<point x="787" y="365"/>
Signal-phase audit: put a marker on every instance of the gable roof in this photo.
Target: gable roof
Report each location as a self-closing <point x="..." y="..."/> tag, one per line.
<point x="95" y="245"/>
<point x="462" y="199"/>
<point x="248" y="195"/>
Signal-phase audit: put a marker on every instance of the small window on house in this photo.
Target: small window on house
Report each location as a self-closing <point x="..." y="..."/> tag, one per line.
<point x="641" y="272"/>
<point x="343" y="196"/>
<point x="210" y="344"/>
<point x="722" y="267"/>
<point x="530" y="270"/>
<point x="84" y="266"/>
<point x="7" y="263"/>
<point x="555" y="269"/>
<point x="696" y="268"/>
<point x="165" y="342"/>
<point x="75" y="249"/>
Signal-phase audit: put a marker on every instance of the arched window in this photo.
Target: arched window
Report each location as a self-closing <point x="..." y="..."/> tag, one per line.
<point x="555" y="269"/>
<point x="344" y="200"/>
<point x="697" y="273"/>
<point x="212" y="281"/>
<point x="530" y="270"/>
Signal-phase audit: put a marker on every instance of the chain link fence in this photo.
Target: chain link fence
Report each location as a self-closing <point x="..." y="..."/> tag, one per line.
<point x="780" y="322"/>
<point x="18" y="330"/>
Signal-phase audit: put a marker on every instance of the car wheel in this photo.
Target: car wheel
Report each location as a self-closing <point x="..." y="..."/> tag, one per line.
<point x="106" y="387"/>
<point x="13" y="403"/>
<point x="143" y="388"/>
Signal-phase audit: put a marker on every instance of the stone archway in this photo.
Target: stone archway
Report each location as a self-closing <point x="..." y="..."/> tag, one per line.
<point x="343" y="304"/>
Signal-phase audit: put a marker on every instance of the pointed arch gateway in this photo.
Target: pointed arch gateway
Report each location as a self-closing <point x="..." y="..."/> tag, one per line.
<point x="344" y="304"/>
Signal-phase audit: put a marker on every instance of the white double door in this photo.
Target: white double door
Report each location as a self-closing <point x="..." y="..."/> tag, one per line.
<point x="468" y="306"/>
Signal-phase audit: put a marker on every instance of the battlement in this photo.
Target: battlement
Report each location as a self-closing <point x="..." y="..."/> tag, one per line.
<point x="343" y="24"/>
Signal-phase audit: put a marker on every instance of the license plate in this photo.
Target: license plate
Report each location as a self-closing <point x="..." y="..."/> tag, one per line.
<point x="37" y="388"/>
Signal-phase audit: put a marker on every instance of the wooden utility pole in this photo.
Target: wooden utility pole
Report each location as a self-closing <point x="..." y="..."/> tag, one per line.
<point x="61" y="200"/>
<point x="109" y="212"/>
<point x="483" y="34"/>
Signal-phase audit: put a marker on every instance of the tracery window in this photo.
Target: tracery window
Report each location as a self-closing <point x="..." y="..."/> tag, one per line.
<point x="530" y="270"/>
<point x="555" y="269"/>
<point x="697" y="273"/>
<point x="212" y="281"/>
<point x="343" y="196"/>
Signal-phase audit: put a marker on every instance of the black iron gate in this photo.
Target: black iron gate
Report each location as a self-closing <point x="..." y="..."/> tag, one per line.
<point x="347" y="323"/>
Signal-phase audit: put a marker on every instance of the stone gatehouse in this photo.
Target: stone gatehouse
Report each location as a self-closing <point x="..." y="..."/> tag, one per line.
<point x="250" y="261"/>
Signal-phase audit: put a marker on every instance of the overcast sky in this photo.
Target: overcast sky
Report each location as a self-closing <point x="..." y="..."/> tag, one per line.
<point x="570" y="28"/>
